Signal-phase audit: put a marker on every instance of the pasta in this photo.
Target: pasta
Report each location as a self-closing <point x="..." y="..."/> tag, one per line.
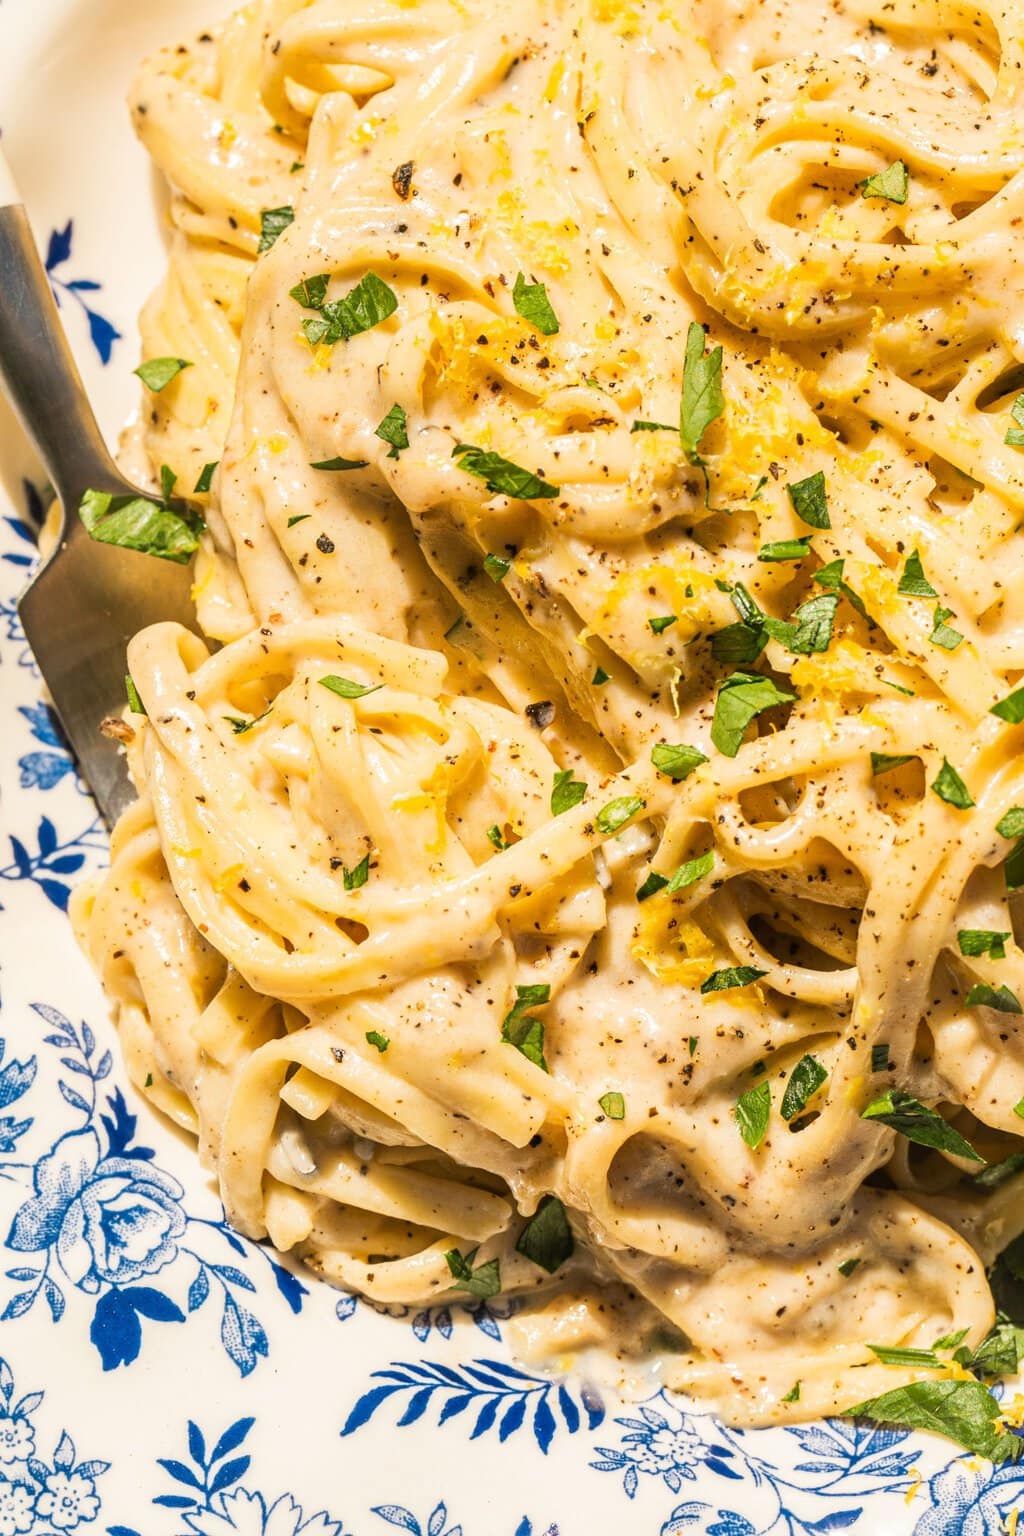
<point x="503" y="635"/>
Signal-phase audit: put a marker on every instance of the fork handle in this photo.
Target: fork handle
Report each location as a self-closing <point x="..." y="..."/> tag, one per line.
<point x="37" y="370"/>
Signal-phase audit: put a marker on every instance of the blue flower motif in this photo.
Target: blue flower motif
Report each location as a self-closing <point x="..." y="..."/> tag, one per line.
<point x="111" y="1220"/>
<point x="68" y="1499"/>
<point x="969" y="1498"/>
<point x="670" y="1449"/>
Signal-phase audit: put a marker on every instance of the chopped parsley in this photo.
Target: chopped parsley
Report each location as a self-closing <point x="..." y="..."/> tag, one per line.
<point x="375" y="1038"/>
<point x="498" y="838"/>
<point x="676" y="761"/>
<point x="158" y="372"/>
<point x="497" y="568"/>
<point x="521" y="1029"/>
<point x="567" y="792"/>
<point x="983" y="941"/>
<point x="1002" y="999"/>
<point x="205" y="480"/>
<point x="884" y="762"/>
<point x="484" y="1281"/>
<point x="651" y="886"/>
<point x="547" y="1237"/>
<point x="998" y="1173"/>
<point x="363" y="307"/>
<point x="394" y="430"/>
<point x="345" y="689"/>
<point x="532" y="302"/>
<point x="690" y="872"/>
<point x="300" y="517"/>
<point x="905" y="1114"/>
<point x="358" y="875"/>
<point x="240" y="725"/>
<point x="923" y="1359"/>
<point x="501" y="476"/>
<point x="136" y="522"/>
<point x="614" y="1105"/>
<point x="1015" y="435"/>
<point x="731" y="977"/>
<point x="652" y="426"/>
<point x="702" y="400"/>
<point x="599" y="678"/>
<point x="786" y="549"/>
<point x="892" y="183"/>
<point x="793" y="1395"/>
<point x="751" y="1113"/>
<point x="340" y="464"/>
<point x="1011" y="708"/>
<point x="804" y="1081"/>
<point x="847" y="1267"/>
<point x="880" y="1056"/>
<point x="1012" y="824"/>
<point x="810" y="500"/>
<point x="964" y="1411"/>
<point x="617" y="812"/>
<point x="273" y="222"/>
<point x="135" y="703"/>
<point x="949" y="786"/>
<point x="942" y="634"/>
<point x="662" y="622"/>
<point x="741" y="698"/>
<point x="913" y="582"/>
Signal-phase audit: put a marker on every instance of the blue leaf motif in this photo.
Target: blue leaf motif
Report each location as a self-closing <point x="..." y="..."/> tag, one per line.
<point x="242" y="1335"/>
<point x="230" y="1473"/>
<point x="512" y="1417"/>
<point x="289" y="1285"/>
<point x="416" y="1407"/>
<point x="345" y="1307"/>
<point x="486" y="1417"/>
<point x="435" y="1524"/>
<point x="18" y="1305"/>
<point x="570" y="1413"/>
<point x="56" y="894"/>
<point x="232" y="1438"/>
<point x="103" y="335"/>
<point x="41" y="719"/>
<point x="543" y="1423"/>
<point x="115" y="1330"/>
<point x="394" y="1514"/>
<point x="175" y="1501"/>
<point x="59" y="248"/>
<point x="366" y="1406"/>
<point x="73" y="1098"/>
<point x="592" y="1406"/>
<point x="198" y="1291"/>
<point x="421" y="1325"/>
<point x="196" y="1444"/>
<point x="455" y="1404"/>
<point x="233" y="1276"/>
<point x="729" y="1523"/>
<point x="180" y="1473"/>
<point x="54" y="1299"/>
<point x="714" y="1465"/>
<point x="46" y="836"/>
<point x="839" y="1521"/>
<point x="485" y="1322"/>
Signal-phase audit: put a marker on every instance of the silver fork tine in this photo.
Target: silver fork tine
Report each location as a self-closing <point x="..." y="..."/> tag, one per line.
<point x="88" y="599"/>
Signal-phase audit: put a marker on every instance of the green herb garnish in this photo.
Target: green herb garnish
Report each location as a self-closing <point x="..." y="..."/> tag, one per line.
<point x="1011" y="708"/>
<point x="532" y="302"/>
<point x="983" y="941"/>
<point x="521" y="1029"/>
<point x="617" y="812"/>
<point x="375" y="1038"/>
<point x="914" y="582"/>
<point x="497" y="568"/>
<point x="135" y="703"/>
<point x="949" y="786"/>
<point x="1002" y="999"/>
<point x="892" y="183"/>
<point x="731" y="977"/>
<point x="340" y="464"/>
<point x="804" y="1081"/>
<point x="809" y="499"/>
<point x="158" y="372"/>
<point x="905" y="1114"/>
<point x="741" y="698"/>
<point x="205" y="478"/>
<point x="751" y="1113"/>
<point x="135" y="522"/>
<point x="356" y="876"/>
<point x="273" y="222"/>
<point x="547" y="1237"/>
<point x="345" y="689"/>
<point x="676" y="761"/>
<point x="484" y="1281"/>
<point x="1015" y="435"/>
<point x="501" y="476"/>
<point x="566" y="792"/>
<point x="702" y="401"/>
<point x="614" y="1105"/>
<point x="364" y="306"/>
<point x="786" y="549"/>
<point x="663" y="621"/>
<point x="884" y="762"/>
<point x="394" y="429"/>
<point x="941" y="633"/>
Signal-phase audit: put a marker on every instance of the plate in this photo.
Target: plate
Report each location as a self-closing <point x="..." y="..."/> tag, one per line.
<point x="159" y="1374"/>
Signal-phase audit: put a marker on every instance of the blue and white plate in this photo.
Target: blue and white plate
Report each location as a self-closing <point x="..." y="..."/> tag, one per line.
<point x="159" y="1375"/>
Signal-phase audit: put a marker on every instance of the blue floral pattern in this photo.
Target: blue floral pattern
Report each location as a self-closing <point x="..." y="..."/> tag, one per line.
<point x="102" y="332"/>
<point x="39" y="1496"/>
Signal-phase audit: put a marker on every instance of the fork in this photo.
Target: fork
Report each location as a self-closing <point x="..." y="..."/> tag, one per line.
<point x="87" y="599"/>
